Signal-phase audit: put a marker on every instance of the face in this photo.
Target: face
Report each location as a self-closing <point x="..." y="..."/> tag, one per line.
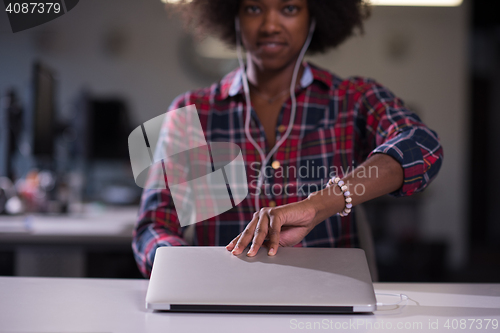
<point x="273" y="31"/>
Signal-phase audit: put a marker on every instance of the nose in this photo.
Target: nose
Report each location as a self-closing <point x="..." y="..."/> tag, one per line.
<point x="271" y="23"/>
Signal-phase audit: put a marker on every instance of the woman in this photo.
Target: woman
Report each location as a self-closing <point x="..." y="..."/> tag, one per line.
<point x="297" y="126"/>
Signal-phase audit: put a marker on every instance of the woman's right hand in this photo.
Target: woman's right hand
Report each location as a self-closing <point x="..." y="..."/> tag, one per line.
<point x="284" y="225"/>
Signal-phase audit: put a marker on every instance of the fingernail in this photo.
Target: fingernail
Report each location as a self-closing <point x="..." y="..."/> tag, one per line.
<point x="271" y="251"/>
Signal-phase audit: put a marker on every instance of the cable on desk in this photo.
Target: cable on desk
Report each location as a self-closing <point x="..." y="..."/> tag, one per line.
<point x="403" y="298"/>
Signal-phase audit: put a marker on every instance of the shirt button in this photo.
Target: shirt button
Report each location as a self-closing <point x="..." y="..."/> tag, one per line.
<point x="272" y="203"/>
<point x="275" y="164"/>
<point x="281" y="128"/>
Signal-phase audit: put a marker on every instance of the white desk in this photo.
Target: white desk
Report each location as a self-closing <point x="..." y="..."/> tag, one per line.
<point x="112" y="224"/>
<point x="98" y="305"/>
<point x="55" y="245"/>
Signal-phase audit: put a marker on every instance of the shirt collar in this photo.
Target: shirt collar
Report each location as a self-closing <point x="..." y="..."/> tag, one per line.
<point x="231" y="84"/>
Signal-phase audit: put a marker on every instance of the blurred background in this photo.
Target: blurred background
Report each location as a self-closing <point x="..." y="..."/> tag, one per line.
<point x="72" y="90"/>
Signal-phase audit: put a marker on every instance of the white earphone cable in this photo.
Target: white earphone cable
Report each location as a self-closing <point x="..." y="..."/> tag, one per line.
<point x="265" y="159"/>
<point x="402" y="297"/>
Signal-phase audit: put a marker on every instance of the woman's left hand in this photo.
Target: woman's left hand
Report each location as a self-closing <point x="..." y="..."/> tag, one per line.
<point x="285" y="225"/>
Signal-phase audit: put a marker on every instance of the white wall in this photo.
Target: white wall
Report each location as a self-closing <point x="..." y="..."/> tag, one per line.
<point x="427" y="69"/>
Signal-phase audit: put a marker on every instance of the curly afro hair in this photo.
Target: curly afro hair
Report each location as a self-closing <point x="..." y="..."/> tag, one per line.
<point x="336" y="20"/>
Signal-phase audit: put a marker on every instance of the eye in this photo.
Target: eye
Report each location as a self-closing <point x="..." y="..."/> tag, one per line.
<point x="252" y="9"/>
<point x="290" y="9"/>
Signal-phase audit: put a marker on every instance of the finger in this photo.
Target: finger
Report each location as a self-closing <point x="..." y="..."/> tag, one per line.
<point x="273" y="234"/>
<point x="246" y="235"/>
<point x="232" y="244"/>
<point x="259" y="235"/>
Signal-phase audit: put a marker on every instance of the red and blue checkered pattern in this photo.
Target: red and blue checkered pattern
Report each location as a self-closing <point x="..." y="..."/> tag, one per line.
<point x="338" y="125"/>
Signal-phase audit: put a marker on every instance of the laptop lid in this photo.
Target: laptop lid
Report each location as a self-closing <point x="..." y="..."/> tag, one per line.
<point x="295" y="280"/>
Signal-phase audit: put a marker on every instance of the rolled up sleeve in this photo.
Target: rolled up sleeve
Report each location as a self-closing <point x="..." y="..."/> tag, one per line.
<point x="392" y="129"/>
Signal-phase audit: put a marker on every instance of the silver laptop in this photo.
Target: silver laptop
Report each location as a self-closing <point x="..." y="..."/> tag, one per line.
<point x="295" y="280"/>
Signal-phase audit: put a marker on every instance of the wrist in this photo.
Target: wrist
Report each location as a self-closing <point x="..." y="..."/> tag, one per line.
<point x="326" y="203"/>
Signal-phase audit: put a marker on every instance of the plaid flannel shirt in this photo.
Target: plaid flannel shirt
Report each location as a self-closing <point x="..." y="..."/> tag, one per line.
<point x="339" y="123"/>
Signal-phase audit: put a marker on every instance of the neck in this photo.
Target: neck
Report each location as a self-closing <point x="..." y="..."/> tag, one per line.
<point x="273" y="82"/>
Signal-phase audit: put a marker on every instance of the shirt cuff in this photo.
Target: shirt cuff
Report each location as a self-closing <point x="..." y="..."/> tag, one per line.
<point x="151" y="252"/>
<point x="409" y="155"/>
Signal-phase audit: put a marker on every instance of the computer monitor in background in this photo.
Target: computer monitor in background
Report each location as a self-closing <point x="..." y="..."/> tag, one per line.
<point x="102" y="125"/>
<point x="110" y="180"/>
<point x="44" y="113"/>
<point x="108" y="130"/>
<point x="98" y="148"/>
<point x="11" y="128"/>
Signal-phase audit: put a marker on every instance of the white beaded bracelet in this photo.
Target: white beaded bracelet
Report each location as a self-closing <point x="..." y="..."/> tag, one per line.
<point x="347" y="195"/>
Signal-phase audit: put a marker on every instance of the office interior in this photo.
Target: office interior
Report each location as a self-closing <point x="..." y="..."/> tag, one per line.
<point x="75" y="87"/>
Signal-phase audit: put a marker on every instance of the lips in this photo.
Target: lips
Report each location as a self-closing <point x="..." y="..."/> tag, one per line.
<point x="271" y="46"/>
